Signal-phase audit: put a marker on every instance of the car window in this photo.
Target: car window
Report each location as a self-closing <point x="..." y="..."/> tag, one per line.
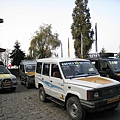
<point x="22" y="68"/>
<point x="103" y="65"/>
<point x="115" y="64"/>
<point x="39" y="67"/>
<point x="30" y="68"/>
<point x="4" y="70"/>
<point x="73" y="69"/>
<point x="55" y="72"/>
<point x="46" y="69"/>
<point x="1" y="63"/>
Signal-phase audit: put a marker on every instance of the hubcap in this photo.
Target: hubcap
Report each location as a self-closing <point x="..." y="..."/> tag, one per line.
<point x="73" y="109"/>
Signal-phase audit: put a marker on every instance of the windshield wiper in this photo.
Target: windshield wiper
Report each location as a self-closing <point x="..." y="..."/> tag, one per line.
<point x="92" y="73"/>
<point x="79" y="75"/>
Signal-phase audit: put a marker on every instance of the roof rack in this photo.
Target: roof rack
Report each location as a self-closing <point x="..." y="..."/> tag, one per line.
<point x="101" y="55"/>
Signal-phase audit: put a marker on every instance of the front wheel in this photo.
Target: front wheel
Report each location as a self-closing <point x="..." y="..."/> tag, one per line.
<point x="42" y="94"/>
<point x="74" y="109"/>
<point x="13" y="89"/>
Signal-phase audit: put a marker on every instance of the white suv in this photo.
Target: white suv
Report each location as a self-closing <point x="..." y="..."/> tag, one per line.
<point x="77" y="85"/>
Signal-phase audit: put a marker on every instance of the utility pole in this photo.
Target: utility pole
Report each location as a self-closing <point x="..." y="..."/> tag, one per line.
<point x="61" y="50"/>
<point x="68" y="48"/>
<point x="96" y="48"/>
<point x="81" y="45"/>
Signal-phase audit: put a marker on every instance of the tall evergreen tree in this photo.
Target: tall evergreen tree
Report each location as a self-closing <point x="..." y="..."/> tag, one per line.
<point x="81" y="28"/>
<point x="17" y="54"/>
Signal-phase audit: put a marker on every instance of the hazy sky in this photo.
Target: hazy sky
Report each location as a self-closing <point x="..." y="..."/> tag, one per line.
<point x="23" y="17"/>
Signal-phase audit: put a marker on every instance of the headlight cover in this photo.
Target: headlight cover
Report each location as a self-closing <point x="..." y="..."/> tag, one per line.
<point x="14" y="79"/>
<point x="91" y="95"/>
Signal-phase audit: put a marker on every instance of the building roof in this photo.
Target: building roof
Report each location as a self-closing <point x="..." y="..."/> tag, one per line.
<point x="2" y="50"/>
<point x="60" y="59"/>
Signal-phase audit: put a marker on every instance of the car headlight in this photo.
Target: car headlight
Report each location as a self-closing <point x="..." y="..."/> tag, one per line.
<point x="96" y="95"/>
<point x="91" y="95"/>
<point x="14" y="79"/>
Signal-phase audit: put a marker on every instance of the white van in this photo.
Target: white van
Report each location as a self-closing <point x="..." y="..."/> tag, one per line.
<point x="75" y="84"/>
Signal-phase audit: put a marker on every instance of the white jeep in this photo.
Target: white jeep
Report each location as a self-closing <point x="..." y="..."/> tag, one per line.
<point x="75" y="84"/>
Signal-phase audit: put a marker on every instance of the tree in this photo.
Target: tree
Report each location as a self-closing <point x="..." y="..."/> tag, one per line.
<point x="118" y="55"/>
<point x="44" y="43"/>
<point x="81" y="28"/>
<point x="103" y="50"/>
<point x="17" y="55"/>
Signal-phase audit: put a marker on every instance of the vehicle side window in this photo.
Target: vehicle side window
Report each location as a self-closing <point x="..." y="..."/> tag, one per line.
<point x="39" y="67"/>
<point x="22" y="68"/>
<point x="46" y="69"/>
<point x="55" y="72"/>
<point x="103" y="65"/>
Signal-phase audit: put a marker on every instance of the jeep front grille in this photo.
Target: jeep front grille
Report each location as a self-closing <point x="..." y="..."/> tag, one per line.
<point x="110" y="91"/>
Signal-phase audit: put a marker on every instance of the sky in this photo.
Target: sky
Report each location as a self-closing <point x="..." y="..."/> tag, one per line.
<point x="23" y="17"/>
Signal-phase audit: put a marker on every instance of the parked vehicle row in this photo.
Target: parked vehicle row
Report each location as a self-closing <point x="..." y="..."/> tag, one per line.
<point x="73" y="83"/>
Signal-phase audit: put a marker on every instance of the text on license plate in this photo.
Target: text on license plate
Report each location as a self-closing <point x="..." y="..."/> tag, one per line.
<point x="111" y="100"/>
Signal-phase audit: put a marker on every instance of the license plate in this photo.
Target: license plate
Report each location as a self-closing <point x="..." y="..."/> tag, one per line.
<point x="7" y="84"/>
<point x="111" y="100"/>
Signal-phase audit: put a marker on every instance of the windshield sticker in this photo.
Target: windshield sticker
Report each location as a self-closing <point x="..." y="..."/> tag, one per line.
<point x="74" y="63"/>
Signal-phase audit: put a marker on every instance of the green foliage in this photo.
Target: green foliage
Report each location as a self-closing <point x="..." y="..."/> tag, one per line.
<point x="44" y="43"/>
<point x="28" y="57"/>
<point x="103" y="50"/>
<point x="118" y="55"/>
<point x="81" y="25"/>
<point x="17" y="55"/>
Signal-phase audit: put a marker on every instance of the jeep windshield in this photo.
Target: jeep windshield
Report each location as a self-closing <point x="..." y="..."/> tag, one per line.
<point x="30" y="68"/>
<point x="115" y="65"/>
<point x="74" y="69"/>
<point x="3" y="70"/>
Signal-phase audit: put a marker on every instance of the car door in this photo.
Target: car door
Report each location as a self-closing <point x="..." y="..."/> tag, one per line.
<point x="57" y="84"/>
<point x="22" y="73"/>
<point x="45" y="77"/>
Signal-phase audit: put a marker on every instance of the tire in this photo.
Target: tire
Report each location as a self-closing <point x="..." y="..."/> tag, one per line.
<point x="74" y="109"/>
<point x="21" y="80"/>
<point x="13" y="89"/>
<point x="42" y="94"/>
<point x="27" y="84"/>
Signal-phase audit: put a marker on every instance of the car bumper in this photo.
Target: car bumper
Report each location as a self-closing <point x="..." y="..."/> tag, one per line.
<point x="8" y="85"/>
<point x="100" y="105"/>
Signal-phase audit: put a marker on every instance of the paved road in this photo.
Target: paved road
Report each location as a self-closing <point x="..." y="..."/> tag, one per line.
<point x="24" y="104"/>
